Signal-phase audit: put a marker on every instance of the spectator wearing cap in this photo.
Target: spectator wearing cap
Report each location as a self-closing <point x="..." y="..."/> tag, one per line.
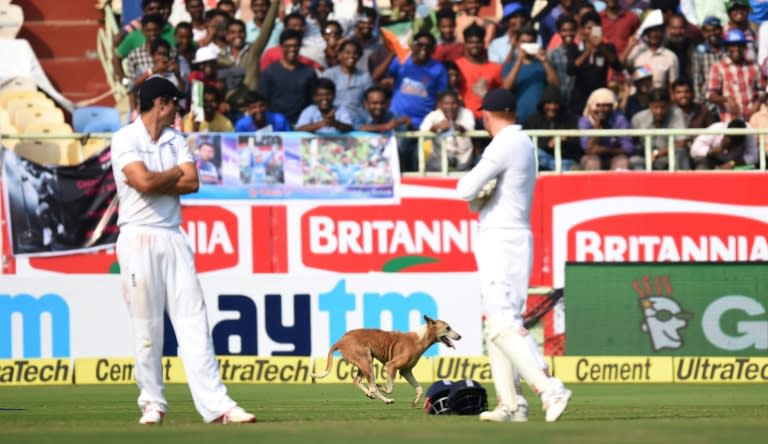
<point x="350" y="80"/>
<point x="323" y="117"/>
<point x="661" y="115"/>
<point x="678" y="42"/>
<point x="515" y="16"/>
<point x="705" y="55"/>
<point x="478" y="74"/>
<point x="618" y="23"/>
<point x="287" y="84"/>
<point x="734" y="82"/>
<point x="204" y="68"/>
<point x="213" y="121"/>
<point x="632" y="102"/>
<point x="449" y="48"/>
<point x="258" y="118"/>
<point x="649" y="50"/>
<point x="738" y="13"/>
<point x="588" y="63"/>
<point x="259" y="9"/>
<point x="606" y="152"/>
<point x="548" y="24"/>
<point x="558" y="57"/>
<point x="528" y="74"/>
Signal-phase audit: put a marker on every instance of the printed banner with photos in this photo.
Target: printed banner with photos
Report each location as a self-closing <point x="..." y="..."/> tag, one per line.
<point x="59" y="210"/>
<point x="295" y="166"/>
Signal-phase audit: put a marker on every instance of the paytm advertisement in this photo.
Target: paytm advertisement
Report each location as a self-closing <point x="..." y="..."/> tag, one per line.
<point x="264" y="315"/>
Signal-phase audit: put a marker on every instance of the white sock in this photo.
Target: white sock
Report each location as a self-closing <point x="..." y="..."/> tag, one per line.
<point x="517" y="349"/>
<point x="504" y="376"/>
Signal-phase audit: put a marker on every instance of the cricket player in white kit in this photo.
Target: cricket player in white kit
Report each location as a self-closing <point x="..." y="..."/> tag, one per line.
<point x="501" y="185"/>
<point x="152" y="166"/>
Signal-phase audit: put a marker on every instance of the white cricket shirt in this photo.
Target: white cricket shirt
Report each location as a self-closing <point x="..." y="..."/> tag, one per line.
<point x="132" y="143"/>
<point x="510" y="158"/>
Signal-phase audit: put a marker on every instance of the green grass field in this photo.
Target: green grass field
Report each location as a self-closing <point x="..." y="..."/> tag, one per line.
<point x="334" y="413"/>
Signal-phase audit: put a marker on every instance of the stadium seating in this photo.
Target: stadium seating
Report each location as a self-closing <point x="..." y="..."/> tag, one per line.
<point x="93" y="146"/>
<point x="27" y="118"/>
<point x="18" y="82"/>
<point x="48" y="152"/>
<point x="11" y="19"/>
<point x="7" y="95"/>
<point x="96" y="119"/>
<point x="28" y="103"/>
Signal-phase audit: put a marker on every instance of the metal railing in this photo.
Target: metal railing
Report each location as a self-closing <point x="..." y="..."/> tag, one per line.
<point x="646" y="134"/>
<point x="105" y="47"/>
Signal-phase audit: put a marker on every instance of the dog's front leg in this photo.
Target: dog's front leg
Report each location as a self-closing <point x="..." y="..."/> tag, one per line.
<point x="408" y="375"/>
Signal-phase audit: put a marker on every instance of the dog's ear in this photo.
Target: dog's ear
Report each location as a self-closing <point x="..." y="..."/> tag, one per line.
<point x="429" y="320"/>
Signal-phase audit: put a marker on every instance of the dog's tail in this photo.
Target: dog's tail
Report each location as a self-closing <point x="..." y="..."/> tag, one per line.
<point x="329" y="363"/>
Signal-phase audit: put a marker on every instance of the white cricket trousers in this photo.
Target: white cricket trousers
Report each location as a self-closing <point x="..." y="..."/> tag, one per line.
<point x="504" y="259"/>
<point x="158" y="272"/>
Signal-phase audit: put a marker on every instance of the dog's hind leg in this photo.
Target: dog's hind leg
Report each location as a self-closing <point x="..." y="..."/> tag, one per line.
<point x="408" y="375"/>
<point x="358" y="382"/>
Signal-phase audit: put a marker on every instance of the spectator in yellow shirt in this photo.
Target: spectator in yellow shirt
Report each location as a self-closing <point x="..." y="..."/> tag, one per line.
<point x="213" y="121"/>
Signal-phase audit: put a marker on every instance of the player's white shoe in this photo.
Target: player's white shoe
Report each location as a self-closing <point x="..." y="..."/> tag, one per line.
<point x="502" y="413"/>
<point x="555" y="404"/>
<point x="236" y="415"/>
<point x="151" y="415"/>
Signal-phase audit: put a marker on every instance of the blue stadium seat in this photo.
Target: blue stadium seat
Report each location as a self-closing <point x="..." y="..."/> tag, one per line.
<point x="96" y="119"/>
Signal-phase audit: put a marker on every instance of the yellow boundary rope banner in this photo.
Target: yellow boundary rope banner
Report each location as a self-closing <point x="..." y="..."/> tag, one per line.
<point x="298" y="370"/>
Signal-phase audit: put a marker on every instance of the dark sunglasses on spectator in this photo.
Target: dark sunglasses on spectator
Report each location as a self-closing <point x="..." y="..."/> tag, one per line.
<point x="329" y="31"/>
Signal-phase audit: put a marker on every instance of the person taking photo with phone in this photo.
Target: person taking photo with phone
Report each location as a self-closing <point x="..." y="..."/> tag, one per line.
<point x="528" y="73"/>
<point x="589" y="61"/>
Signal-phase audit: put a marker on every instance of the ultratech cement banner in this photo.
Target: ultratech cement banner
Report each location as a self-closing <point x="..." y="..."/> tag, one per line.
<point x="59" y="210"/>
<point x="705" y="309"/>
<point x="299" y="369"/>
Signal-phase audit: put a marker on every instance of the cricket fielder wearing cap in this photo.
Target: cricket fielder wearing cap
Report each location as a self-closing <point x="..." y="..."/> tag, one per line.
<point x="152" y="166"/>
<point x="501" y="187"/>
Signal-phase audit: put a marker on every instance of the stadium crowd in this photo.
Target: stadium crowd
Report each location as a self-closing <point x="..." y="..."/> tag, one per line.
<point x="572" y="64"/>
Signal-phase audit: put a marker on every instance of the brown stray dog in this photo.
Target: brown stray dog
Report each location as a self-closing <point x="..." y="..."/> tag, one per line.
<point x="397" y="351"/>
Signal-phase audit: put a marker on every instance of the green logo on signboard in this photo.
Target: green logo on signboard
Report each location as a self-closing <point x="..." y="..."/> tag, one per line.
<point x="692" y="309"/>
<point x="663" y="317"/>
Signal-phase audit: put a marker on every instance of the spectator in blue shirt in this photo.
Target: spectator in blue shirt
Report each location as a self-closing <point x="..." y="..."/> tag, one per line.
<point x="417" y="81"/>
<point x="323" y="116"/>
<point x="257" y="118"/>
